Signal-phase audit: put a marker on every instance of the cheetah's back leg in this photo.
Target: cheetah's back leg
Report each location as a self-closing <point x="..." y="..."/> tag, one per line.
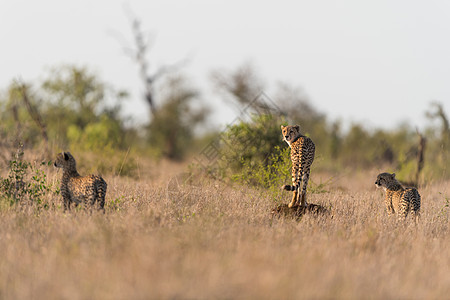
<point x="101" y="194"/>
<point x="296" y="183"/>
<point x="403" y="211"/>
<point x="303" y="202"/>
<point x="66" y="204"/>
<point x="416" y="207"/>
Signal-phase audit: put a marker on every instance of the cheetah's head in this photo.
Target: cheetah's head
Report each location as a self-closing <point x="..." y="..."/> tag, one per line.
<point x="64" y="160"/>
<point x="290" y="133"/>
<point x="384" y="179"/>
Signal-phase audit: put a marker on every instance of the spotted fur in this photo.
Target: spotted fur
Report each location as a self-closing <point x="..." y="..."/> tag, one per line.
<point x="87" y="190"/>
<point x="399" y="200"/>
<point x="302" y="156"/>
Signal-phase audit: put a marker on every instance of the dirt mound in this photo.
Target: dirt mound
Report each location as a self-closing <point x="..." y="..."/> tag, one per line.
<point x="297" y="211"/>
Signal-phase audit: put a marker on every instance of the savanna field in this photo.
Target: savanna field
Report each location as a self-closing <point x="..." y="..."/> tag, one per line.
<point x="175" y="228"/>
<point x="171" y="234"/>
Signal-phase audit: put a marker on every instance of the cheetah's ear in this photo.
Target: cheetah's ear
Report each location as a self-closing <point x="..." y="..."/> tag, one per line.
<point x="297" y="127"/>
<point x="393" y="175"/>
<point x="282" y="127"/>
<point x="66" y="155"/>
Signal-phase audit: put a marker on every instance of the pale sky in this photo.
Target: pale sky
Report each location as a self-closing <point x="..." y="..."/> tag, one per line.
<point x="376" y="62"/>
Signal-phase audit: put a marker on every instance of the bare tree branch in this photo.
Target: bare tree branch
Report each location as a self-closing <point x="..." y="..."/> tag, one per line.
<point x="439" y="113"/>
<point x="34" y="114"/>
<point x="142" y="44"/>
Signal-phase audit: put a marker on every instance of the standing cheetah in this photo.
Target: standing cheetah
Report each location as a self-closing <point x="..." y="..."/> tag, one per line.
<point x="302" y="156"/>
<point x="398" y="199"/>
<point x="89" y="190"/>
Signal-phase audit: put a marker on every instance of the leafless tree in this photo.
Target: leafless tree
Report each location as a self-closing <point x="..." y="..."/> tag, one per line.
<point x="240" y="86"/>
<point x="437" y="112"/>
<point x="139" y="54"/>
<point x="34" y="114"/>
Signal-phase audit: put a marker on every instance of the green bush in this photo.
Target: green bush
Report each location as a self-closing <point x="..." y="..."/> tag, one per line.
<point x="253" y="153"/>
<point x="97" y="136"/>
<point x="26" y="182"/>
<point x="250" y="143"/>
<point x="270" y="174"/>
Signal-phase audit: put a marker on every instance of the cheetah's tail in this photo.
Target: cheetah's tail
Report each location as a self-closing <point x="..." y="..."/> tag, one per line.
<point x="288" y="187"/>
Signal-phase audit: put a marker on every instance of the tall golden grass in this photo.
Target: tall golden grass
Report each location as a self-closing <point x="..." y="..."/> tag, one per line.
<point x="165" y="237"/>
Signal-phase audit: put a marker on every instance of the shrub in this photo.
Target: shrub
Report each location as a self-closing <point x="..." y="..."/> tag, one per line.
<point x="26" y="181"/>
<point x="270" y="174"/>
<point x="248" y="143"/>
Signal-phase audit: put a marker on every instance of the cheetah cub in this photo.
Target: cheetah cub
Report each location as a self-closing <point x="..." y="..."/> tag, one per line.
<point x="89" y="190"/>
<point x="302" y="156"/>
<point x="398" y="199"/>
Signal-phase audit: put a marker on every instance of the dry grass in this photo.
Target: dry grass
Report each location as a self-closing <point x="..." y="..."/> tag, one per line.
<point x="161" y="238"/>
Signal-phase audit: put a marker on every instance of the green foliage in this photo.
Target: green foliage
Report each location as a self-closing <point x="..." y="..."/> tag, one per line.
<point x="77" y="109"/>
<point x="253" y="154"/>
<point x="26" y="182"/>
<point x="100" y="135"/>
<point x="271" y="173"/>
<point x="14" y="187"/>
<point x="75" y="90"/>
<point x="247" y="144"/>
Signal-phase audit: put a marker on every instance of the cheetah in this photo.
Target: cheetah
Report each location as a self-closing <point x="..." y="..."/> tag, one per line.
<point x="302" y="156"/>
<point x="89" y="190"/>
<point x="399" y="200"/>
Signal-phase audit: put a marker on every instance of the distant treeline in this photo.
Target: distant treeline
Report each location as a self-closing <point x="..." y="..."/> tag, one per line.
<point x="74" y="109"/>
